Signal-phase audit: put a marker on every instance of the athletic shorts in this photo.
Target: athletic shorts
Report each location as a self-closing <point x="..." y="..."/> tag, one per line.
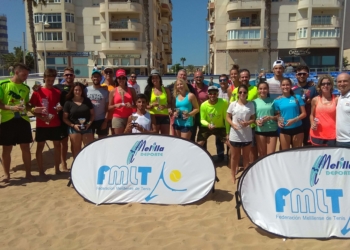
<point x="204" y="133"/>
<point x="96" y="128"/>
<point x="162" y="119"/>
<point x="240" y="144"/>
<point x="15" y="131"/>
<point x="64" y="130"/>
<point x="182" y="129"/>
<point x="268" y="134"/>
<point x="48" y="134"/>
<point x="293" y="131"/>
<point x="322" y="142"/>
<point x="84" y="131"/>
<point x="119" y="122"/>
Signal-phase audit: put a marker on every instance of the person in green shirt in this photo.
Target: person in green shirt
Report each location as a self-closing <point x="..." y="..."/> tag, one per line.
<point x="15" y="126"/>
<point x="213" y="118"/>
<point x="266" y="130"/>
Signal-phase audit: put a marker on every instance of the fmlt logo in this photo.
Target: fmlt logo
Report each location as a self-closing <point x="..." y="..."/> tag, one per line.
<point x="123" y="175"/>
<point x="146" y="150"/>
<point x="306" y="201"/>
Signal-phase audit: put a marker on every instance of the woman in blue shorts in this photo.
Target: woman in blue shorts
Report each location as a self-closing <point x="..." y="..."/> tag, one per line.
<point x="240" y="115"/>
<point x="186" y="107"/>
<point x="291" y="110"/>
<point x="266" y="130"/>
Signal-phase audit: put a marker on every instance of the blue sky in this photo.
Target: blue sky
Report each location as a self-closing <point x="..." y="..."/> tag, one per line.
<point x="189" y="28"/>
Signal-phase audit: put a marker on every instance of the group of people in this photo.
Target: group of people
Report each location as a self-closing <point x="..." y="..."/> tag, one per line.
<point x="246" y="120"/>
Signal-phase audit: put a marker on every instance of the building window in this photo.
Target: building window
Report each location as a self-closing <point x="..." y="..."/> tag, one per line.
<point x="302" y="33"/>
<point x="274" y="0"/>
<point x="137" y="61"/>
<point x="99" y="61"/>
<point x="243" y="34"/>
<point x="245" y="21"/>
<point x="129" y="38"/>
<point x="50" y="36"/>
<point x="105" y="61"/>
<point x="116" y="61"/>
<point x="69" y="18"/>
<point x="54" y="19"/>
<point x="291" y="36"/>
<point x="292" y="17"/>
<point x="68" y="1"/>
<point x="96" y="21"/>
<point x="321" y="20"/>
<point x="315" y="33"/>
<point x="328" y="60"/>
<point x="70" y="36"/>
<point x="126" y="61"/>
<point x="97" y="39"/>
<point x="53" y="1"/>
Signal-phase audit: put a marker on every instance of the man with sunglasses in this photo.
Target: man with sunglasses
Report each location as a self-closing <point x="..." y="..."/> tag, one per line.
<point x="132" y="83"/>
<point x="213" y="118"/>
<point x="275" y="82"/>
<point x="307" y="90"/>
<point x="108" y="82"/>
<point x="64" y="88"/>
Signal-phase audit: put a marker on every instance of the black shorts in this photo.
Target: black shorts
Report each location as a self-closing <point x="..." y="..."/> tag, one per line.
<point x="15" y="131"/>
<point x="182" y="129"/>
<point x="240" y="144"/>
<point x="96" y="128"/>
<point x="204" y="133"/>
<point x="293" y="131"/>
<point x="322" y="142"/>
<point x="268" y="134"/>
<point x="64" y="130"/>
<point x="162" y="119"/>
<point x="48" y="134"/>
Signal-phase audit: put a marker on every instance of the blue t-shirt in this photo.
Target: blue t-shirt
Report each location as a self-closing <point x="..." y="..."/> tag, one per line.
<point x="184" y="105"/>
<point x="289" y="108"/>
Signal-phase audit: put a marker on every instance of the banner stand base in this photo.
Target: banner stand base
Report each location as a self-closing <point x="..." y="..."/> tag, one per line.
<point x="238" y="205"/>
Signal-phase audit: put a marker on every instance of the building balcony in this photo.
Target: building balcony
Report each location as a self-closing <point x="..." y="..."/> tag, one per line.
<point x="304" y="22"/>
<point x="104" y="27"/>
<point x="165" y="7"/>
<point x="126" y="6"/>
<point x="238" y="24"/>
<point x="304" y="4"/>
<point x="326" y="4"/>
<point x="245" y="44"/>
<point x="334" y="22"/>
<point x="239" y="5"/>
<point x="166" y="46"/>
<point x="328" y="42"/>
<point x="302" y="43"/>
<point x="126" y="26"/>
<point x="51" y="46"/>
<point x="135" y="46"/>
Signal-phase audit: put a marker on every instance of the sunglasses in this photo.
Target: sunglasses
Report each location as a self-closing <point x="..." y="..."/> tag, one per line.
<point x="212" y="93"/>
<point x="198" y="77"/>
<point x="326" y="83"/>
<point x="68" y="74"/>
<point x="121" y="78"/>
<point x="222" y="80"/>
<point x="132" y="76"/>
<point x="242" y="93"/>
<point x="302" y="74"/>
<point x="108" y="72"/>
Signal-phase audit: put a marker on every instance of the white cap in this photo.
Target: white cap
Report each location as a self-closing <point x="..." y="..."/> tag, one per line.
<point x="278" y="62"/>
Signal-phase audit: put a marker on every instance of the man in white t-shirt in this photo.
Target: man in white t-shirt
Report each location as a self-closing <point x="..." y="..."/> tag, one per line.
<point x="132" y="83"/>
<point x="343" y="111"/>
<point x="275" y="82"/>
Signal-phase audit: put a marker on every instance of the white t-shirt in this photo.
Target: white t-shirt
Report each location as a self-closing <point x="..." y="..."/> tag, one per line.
<point x="136" y="87"/>
<point x="243" y="112"/>
<point x="343" y="118"/>
<point x="223" y="95"/>
<point x="143" y="120"/>
<point x="275" y="87"/>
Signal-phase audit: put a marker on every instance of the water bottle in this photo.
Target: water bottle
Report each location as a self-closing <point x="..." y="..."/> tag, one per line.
<point x="316" y="122"/>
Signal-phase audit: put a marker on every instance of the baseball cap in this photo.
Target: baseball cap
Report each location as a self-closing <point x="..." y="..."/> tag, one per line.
<point x="278" y="62"/>
<point x="213" y="88"/>
<point x="96" y="71"/>
<point x="107" y="68"/>
<point x="120" y="72"/>
<point x="154" y="72"/>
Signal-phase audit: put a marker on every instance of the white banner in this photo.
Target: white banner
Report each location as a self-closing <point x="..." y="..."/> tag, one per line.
<point x="302" y="193"/>
<point x="143" y="168"/>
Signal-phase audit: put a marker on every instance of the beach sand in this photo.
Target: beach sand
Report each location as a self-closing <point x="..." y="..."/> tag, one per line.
<point x="46" y="214"/>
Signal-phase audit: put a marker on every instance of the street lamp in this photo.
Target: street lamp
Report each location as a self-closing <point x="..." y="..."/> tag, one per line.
<point x="44" y="25"/>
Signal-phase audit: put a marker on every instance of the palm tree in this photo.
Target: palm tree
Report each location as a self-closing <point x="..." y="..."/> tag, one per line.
<point x="30" y="4"/>
<point x="183" y="59"/>
<point x="147" y="36"/>
<point x="268" y="33"/>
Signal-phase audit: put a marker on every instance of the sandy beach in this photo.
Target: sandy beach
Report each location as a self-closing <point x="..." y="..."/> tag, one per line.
<point x="46" y="214"/>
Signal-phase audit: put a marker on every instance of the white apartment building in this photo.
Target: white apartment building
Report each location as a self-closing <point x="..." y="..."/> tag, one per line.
<point x="304" y="32"/>
<point x="82" y="33"/>
<point x="3" y="35"/>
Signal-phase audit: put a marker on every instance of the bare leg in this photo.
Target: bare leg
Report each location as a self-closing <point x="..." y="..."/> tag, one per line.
<point x="57" y="148"/>
<point x="285" y="141"/>
<point x="177" y="133"/>
<point x="186" y="135"/>
<point x="261" y="145"/>
<point x="87" y="138"/>
<point x="298" y="140"/>
<point x="76" y="140"/>
<point x="271" y="144"/>
<point x="253" y="155"/>
<point x="165" y="129"/>
<point x="6" y="161"/>
<point x="119" y="131"/>
<point x="235" y="155"/>
<point x="246" y="151"/>
<point x="27" y="157"/>
<point x="64" y="151"/>
<point x="39" y="157"/>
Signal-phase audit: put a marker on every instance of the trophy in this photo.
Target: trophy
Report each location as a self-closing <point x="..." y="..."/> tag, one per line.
<point x="239" y="120"/>
<point x="134" y="118"/>
<point x="45" y="104"/>
<point x="50" y="117"/>
<point x="184" y="114"/>
<point x="177" y="112"/>
<point x="58" y="105"/>
<point x="122" y="96"/>
<point x="281" y="120"/>
<point x="316" y="121"/>
<point x="158" y="101"/>
<point x="23" y="107"/>
<point x="82" y="121"/>
<point x="211" y="125"/>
